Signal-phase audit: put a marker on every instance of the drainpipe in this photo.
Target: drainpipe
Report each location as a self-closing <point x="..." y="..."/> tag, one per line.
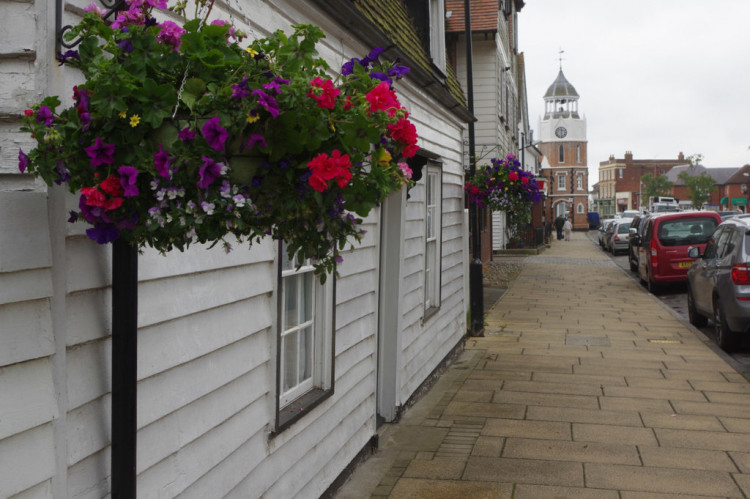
<point x="476" y="289"/>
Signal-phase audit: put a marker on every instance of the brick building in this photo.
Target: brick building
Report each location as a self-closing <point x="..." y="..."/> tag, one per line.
<point x="620" y="181"/>
<point x="562" y="132"/>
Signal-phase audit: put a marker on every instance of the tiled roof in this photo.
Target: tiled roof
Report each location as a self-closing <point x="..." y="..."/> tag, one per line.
<point x="484" y="15"/>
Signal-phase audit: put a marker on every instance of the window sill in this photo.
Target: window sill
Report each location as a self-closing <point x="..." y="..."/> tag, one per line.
<point x="298" y="408"/>
<point x="428" y="313"/>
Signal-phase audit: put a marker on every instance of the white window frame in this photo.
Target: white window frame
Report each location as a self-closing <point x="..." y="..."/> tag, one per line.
<point x="317" y="318"/>
<point x="437" y="33"/>
<point x="579" y="208"/>
<point x="578" y="154"/>
<point x="579" y="182"/>
<point x="620" y="172"/>
<point x="561" y="154"/>
<point x="560" y="182"/>
<point x="433" y="185"/>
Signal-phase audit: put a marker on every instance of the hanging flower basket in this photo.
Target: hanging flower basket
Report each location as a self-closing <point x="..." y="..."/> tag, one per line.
<point x="183" y="133"/>
<point x="504" y="186"/>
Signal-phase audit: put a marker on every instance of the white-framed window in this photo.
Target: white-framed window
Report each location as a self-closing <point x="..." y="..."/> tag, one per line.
<point x="620" y="171"/>
<point x="433" y="234"/>
<point x="305" y="337"/>
<point x="579" y="182"/>
<point x="560" y="182"/>
<point x="578" y="154"/>
<point x="579" y="208"/>
<point x="437" y="33"/>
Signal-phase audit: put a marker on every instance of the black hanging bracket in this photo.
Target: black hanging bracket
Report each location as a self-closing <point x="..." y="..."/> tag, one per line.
<point x="112" y="6"/>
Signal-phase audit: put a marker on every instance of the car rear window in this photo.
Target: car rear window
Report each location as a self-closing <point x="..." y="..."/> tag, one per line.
<point x="683" y="231"/>
<point x="623" y="229"/>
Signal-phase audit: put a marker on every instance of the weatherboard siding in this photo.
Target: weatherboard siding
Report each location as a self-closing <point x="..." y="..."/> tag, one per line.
<point x="206" y="319"/>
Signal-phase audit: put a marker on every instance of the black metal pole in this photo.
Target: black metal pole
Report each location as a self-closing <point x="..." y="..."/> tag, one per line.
<point x="124" y="368"/>
<point x="476" y="288"/>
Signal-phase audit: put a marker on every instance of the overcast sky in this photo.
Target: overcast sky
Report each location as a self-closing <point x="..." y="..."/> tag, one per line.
<point x="655" y="77"/>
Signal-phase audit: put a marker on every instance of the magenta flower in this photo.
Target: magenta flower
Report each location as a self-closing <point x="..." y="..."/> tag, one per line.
<point x="161" y="161"/>
<point x="128" y="179"/>
<point x="170" y="34"/>
<point x="268" y="102"/>
<point x="100" y="153"/>
<point x="209" y="172"/>
<point x="241" y="90"/>
<point x="215" y="134"/>
<point x="256" y="139"/>
<point x="23" y="161"/>
<point x="44" y="115"/>
<point x="186" y="134"/>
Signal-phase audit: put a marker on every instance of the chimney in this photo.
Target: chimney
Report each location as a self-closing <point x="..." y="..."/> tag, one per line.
<point x="629" y="155"/>
<point x="680" y="157"/>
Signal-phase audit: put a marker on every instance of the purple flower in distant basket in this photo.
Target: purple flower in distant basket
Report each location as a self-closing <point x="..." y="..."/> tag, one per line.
<point x="70" y="54"/>
<point x="23" y="161"/>
<point x="215" y="134"/>
<point x="126" y="45"/>
<point x="44" y="115"/>
<point x="103" y="233"/>
<point x="275" y="85"/>
<point x="161" y="161"/>
<point x="128" y="179"/>
<point x="72" y="216"/>
<point x="374" y="54"/>
<point x="100" y="153"/>
<point x="209" y="172"/>
<point x="186" y="134"/>
<point x="348" y="67"/>
<point x="85" y="121"/>
<point x="381" y="76"/>
<point x="255" y="139"/>
<point x="267" y="102"/>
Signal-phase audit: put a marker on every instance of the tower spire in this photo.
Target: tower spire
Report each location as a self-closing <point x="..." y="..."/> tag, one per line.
<point x="560" y="57"/>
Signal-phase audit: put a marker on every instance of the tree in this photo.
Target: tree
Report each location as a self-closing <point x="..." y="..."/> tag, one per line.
<point x="695" y="159"/>
<point x="655" y="185"/>
<point x="701" y="186"/>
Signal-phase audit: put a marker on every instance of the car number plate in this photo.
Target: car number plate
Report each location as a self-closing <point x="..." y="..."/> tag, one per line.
<point x="683" y="265"/>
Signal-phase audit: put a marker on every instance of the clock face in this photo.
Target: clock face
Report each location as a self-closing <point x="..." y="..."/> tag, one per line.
<point x="561" y="132"/>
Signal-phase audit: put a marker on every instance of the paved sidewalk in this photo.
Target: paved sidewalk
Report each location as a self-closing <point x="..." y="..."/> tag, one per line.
<point x="585" y="386"/>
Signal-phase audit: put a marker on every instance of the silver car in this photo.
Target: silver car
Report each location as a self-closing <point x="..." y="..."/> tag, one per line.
<point x="719" y="283"/>
<point x="603" y="231"/>
<point x="618" y="235"/>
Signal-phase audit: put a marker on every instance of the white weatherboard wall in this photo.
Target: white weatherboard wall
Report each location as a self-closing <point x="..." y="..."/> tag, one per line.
<point x="206" y="319"/>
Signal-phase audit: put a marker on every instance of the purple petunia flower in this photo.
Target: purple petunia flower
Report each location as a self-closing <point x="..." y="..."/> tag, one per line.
<point x="85" y="121"/>
<point x="70" y="54"/>
<point x="126" y="45"/>
<point x="381" y="76"/>
<point x="100" y="153"/>
<point x="103" y="233"/>
<point x="275" y="84"/>
<point x="256" y="139"/>
<point x="374" y="54"/>
<point x="241" y="90"/>
<point x="161" y="161"/>
<point x="62" y="171"/>
<point x="186" y="134"/>
<point x="72" y="216"/>
<point x="215" y="134"/>
<point x="256" y="181"/>
<point x="348" y="67"/>
<point x="23" y="161"/>
<point x="128" y="179"/>
<point x="44" y="115"/>
<point x="209" y="172"/>
<point x="398" y="71"/>
<point x="268" y="102"/>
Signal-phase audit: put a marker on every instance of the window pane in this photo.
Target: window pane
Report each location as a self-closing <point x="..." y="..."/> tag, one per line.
<point x="306" y="354"/>
<point x="307" y="296"/>
<point x="290" y="360"/>
<point x="286" y="264"/>
<point x="291" y="302"/>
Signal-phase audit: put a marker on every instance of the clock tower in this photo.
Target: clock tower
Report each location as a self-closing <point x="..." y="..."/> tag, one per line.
<point x="562" y="134"/>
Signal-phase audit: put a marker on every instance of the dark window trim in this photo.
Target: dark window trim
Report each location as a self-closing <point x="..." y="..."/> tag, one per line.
<point x="296" y="410"/>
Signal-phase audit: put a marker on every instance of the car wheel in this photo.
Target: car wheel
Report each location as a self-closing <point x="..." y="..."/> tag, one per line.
<point x="695" y="318"/>
<point x="725" y="338"/>
<point x="653" y="288"/>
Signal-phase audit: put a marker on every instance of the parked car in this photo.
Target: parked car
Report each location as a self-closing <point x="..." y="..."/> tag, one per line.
<point x="726" y="214"/>
<point x="603" y="230"/>
<point x="636" y="228"/>
<point x="663" y="247"/>
<point x="719" y="283"/>
<point x="619" y="234"/>
<point x="627" y="214"/>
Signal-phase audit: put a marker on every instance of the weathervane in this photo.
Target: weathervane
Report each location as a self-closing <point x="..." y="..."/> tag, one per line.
<point x="560" y="57"/>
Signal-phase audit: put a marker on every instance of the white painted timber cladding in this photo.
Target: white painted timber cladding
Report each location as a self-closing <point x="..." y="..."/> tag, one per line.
<point x="206" y="319"/>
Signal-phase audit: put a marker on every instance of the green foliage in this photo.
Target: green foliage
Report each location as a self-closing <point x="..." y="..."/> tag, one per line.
<point x="210" y="138"/>
<point x="655" y="185"/>
<point x="701" y="186"/>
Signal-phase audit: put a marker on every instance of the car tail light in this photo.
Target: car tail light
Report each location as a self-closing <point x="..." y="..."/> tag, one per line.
<point x="654" y="254"/>
<point x="741" y="274"/>
<point x="617" y="238"/>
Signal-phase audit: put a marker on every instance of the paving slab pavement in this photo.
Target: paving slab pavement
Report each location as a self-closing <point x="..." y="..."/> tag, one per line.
<point x="584" y="385"/>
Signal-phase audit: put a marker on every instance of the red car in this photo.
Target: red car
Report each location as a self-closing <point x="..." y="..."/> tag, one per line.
<point x="663" y="247"/>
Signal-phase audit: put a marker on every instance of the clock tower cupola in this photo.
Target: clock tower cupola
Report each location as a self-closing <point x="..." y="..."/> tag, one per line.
<point x="562" y="134"/>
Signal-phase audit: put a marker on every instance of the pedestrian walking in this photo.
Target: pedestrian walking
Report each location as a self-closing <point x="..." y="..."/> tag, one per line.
<point x="567" y="229"/>
<point x="559" y="222"/>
